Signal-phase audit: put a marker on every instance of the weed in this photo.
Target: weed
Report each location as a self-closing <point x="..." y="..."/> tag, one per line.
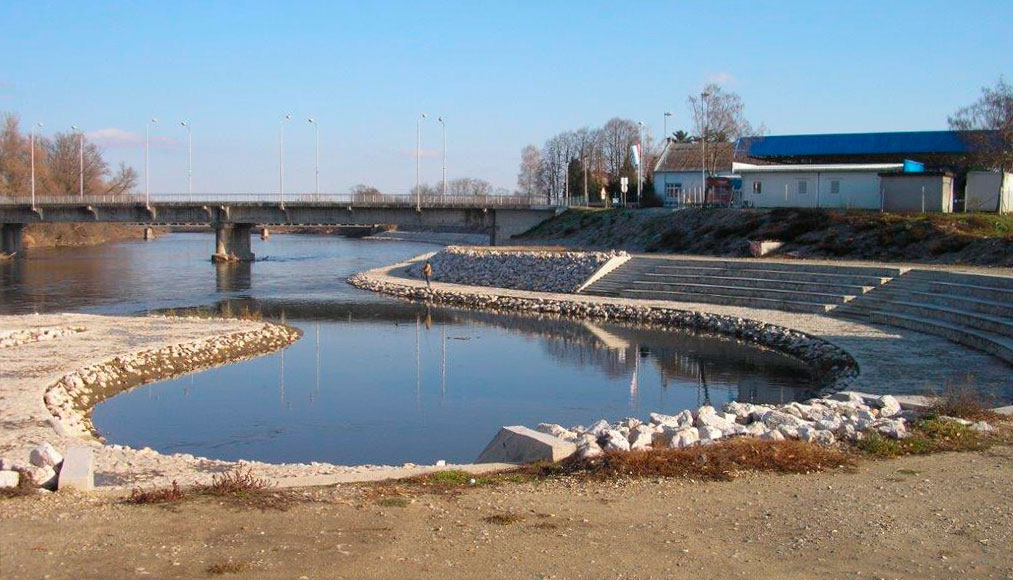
<point x="157" y="496"/>
<point x="965" y="400"/>
<point x="927" y="436"/>
<point x="503" y="519"/>
<point x="237" y="487"/>
<point x="229" y="567"/>
<point x="399" y="502"/>
<point x="719" y="461"/>
<point x="23" y="489"/>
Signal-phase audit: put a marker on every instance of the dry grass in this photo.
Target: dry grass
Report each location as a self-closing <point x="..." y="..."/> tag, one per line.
<point x="503" y="519"/>
<point x="23" y="489"/>
<point x="966" y="400"/>
<point x="227" y="568"/>
<point x="223" y="310"/>
<point x="720" y="461"/>
<point x="239" y="488"/>
<point x="931" y="435"/>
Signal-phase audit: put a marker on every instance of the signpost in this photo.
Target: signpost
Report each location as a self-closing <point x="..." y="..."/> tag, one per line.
<point x="624" y="186"/>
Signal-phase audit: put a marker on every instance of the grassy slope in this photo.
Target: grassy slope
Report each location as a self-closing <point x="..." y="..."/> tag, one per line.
<point x="60" y="235"/>
<point x="981" y="239"/>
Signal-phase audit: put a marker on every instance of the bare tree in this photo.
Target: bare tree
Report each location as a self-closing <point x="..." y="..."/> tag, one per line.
<point x="469" y="186"/>
<point x="64" y="152"/>
<point x="527" y="177"/>
<point x="123" y="182"/>
<point x="993" y="111"/>
<point x="718" y="118"/>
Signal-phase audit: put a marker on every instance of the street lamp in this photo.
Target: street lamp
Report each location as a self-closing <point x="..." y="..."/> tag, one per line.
<point x="316" y="163"/>
<point x="640" y="156"/>
<point x="147" y="140"/>
<point x="32" y="144"/>
<point x="281" y="160"/>
<point x="444" y="125"/>
<point x="703" y="146"/>
<point x="189" y="158"/>
<point x="80" y="159"/>
<point x="418" y="164"/>
<point x="667" y="115"/>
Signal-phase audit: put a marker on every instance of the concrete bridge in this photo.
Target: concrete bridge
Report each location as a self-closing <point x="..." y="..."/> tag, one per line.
<point x="233" y="216"/>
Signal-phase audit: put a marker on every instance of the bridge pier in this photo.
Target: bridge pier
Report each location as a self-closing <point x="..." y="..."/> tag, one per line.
<point x="265" y="234"/>
<point x="149" y="234"/>
<point x="10" y="239"/>
<point x="232" y="243"/>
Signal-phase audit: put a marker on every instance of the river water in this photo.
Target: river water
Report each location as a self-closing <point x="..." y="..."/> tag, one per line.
<point x="374" y="380"/>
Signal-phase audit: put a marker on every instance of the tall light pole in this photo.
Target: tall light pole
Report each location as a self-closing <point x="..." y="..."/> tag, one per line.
<point x="80" y="159"/>
<point x="32" y="145"/>
<point x="189" y="157"/>
<point x="316" y="162"/>
<point x="281" y="160"/>
<point x="667" y="115"/>
<point x="147" y="141"/>
<point x="640" y="157"/>
<point x="703" y="146"/>
<point x="418" y="164"/>
<point x="444" y="125"/>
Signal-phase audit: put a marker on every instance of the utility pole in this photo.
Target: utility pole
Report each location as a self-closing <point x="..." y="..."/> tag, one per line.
<point x="418" y="164"/>
<point x="80" y="160"/>
<point x="189" y="159"/>
<point x="316" y="158"/>
<point x="444" y="125"/>
<point x="147" y="140"/>
<point x="703" y="146"/>
<point x="281" y="160"/>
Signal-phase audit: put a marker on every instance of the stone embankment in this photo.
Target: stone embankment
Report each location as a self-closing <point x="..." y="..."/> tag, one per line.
<point x="540" y="271"/>
<point x="72" y="398"/>
<point x="18" y="337"/>
<point x="833" y="366"/>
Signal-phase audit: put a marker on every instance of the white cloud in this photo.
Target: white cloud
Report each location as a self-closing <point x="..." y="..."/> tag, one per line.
<point x="113" y="137"/>
<point x="722" y="78"/>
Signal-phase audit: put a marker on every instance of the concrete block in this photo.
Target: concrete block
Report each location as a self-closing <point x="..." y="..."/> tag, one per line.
<point x="9" y="479"/>
<point x="78" y="471"/>
<point x="917" y="403"/>
<point x="1008" y="410"/>
<point x="519" y="444"/>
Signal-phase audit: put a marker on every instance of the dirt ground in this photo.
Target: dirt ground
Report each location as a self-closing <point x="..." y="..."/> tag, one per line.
<point x="941" y="516"/>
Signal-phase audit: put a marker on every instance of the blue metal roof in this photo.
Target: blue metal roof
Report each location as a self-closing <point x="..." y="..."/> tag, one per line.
<point x="901" y="143"/>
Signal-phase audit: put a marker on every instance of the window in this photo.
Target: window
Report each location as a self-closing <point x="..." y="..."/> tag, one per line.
<point x="802" y="187"/>
<point x="835" y="186"/>
<point x="673" y="189"/>
<point x="757" y="187"/>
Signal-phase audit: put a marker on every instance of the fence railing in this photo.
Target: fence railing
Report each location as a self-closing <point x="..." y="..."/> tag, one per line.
<point x="346" y="199"/>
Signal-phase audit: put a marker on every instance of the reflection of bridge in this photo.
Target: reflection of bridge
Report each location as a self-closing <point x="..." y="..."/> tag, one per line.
<point x="234" y="215"/>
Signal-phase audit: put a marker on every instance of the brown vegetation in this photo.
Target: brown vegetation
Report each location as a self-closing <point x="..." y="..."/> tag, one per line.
<point x="238" y="487"/>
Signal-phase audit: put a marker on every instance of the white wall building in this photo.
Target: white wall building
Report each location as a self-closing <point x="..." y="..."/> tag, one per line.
<point x="679" y="170"/>
<point x="843" y="186"/>
<point x="989" y="191"/>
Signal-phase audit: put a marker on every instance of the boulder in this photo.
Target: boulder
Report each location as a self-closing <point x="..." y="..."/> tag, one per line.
<point x="776" y="419"/>
<point x="710" y="433"/>
<point x="772" y="435"/>
<point x="587" y="446"/>
<point x="615" y="440"/>
<point x="9" y="478"/>
<point x="44" y="477"/>
<point x="679" y="420"/>
<point x="599" y="428"/>
<point x="893" y="428"/>
<point x="684" y="438"/>
<point x="982" y="427"/>
<point x="706" y="416"/>
<point x="888" y="406"/>
<point x="556" y="431"/>
<point x="45" y="455"/>
<point x="515" y="444"/>
<point x="641" y="438"/>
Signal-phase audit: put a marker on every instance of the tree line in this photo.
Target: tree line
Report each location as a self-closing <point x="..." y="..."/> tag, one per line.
<point x="58" y="163"/>
<point x="590" y="159"/>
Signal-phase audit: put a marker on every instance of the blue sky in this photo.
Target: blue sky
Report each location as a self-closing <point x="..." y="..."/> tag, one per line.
<point x="503" y="74"/>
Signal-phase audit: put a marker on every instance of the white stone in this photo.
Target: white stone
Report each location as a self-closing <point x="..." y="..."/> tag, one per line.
<point x="9" y="478"/>
<point x="441" y="463"/>
<point x="982" y="427"/>
<point x="45" y="455"/>
<point x="772" y="436"/>
<point x="600" y="427"/>
<point x="682" y="419"/>
<point x="776" y="419"/>
<point x="587" y="446"/>
<point x="888" y="406"/>
<point x="684" y="438"/>
<point x="706" y="416"/>
<point x="517" y="444"/>
<point x="40" y="476"/>
<point x="711" y="433"/>
<point x="556" y="431"/>
<point x="756" y="429"/>
<point x="893" y="428"/>
<point x="616" y="441"/>
<point x="641" y="438"/>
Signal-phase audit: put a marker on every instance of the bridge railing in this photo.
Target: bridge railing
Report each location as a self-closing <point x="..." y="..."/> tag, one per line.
<point x="356" y="199"/>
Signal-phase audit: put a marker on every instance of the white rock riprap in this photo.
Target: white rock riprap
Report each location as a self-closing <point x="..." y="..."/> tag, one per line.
<point x="540" y="271"/>
<point x="827" y="420"/>
<point x="833" y="366"/>
<point x="12" y="338"/>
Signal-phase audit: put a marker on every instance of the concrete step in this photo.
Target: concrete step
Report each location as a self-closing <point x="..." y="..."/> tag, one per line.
<point x="824" y="277"/>
<point x="970" y="304"/>
<point x="804" y="286"/>
<point x="800" y="266"/>
<point x="1005" y="282"/>
<point x="962" y="318"/>
<point x="987" y="292"/>
<point x="999" y="346"/>
<point x="767" y="303"/>
<point x="814" y="297"/>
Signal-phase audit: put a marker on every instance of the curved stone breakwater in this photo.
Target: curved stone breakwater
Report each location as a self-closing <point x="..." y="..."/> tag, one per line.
<point x="73" y="396"/>
<point x="20" y="337"/>
<point x="539" y="271"/>
<point x="833" y="365"/>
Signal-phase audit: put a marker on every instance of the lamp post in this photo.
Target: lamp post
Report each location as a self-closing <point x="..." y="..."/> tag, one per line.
<point x="281" y="160"/>
<point x="147" y="141"/>
<point x="667" y="115"/>
<point x="80" y="159"/>
<point x="316" y="162"/>
<point x="640" y="156"/>
<point x="444" y="125"/>
<point x="32" y="145"/>
<point x="189" y="158"/>
<point x="703" y="146"/>
<point x="418" y="164"/>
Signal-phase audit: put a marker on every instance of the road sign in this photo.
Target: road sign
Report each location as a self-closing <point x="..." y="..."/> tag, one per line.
<point x="624" y="183"/>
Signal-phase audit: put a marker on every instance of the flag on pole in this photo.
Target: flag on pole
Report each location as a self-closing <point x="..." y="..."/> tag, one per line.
<point x="636" y="155"/>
